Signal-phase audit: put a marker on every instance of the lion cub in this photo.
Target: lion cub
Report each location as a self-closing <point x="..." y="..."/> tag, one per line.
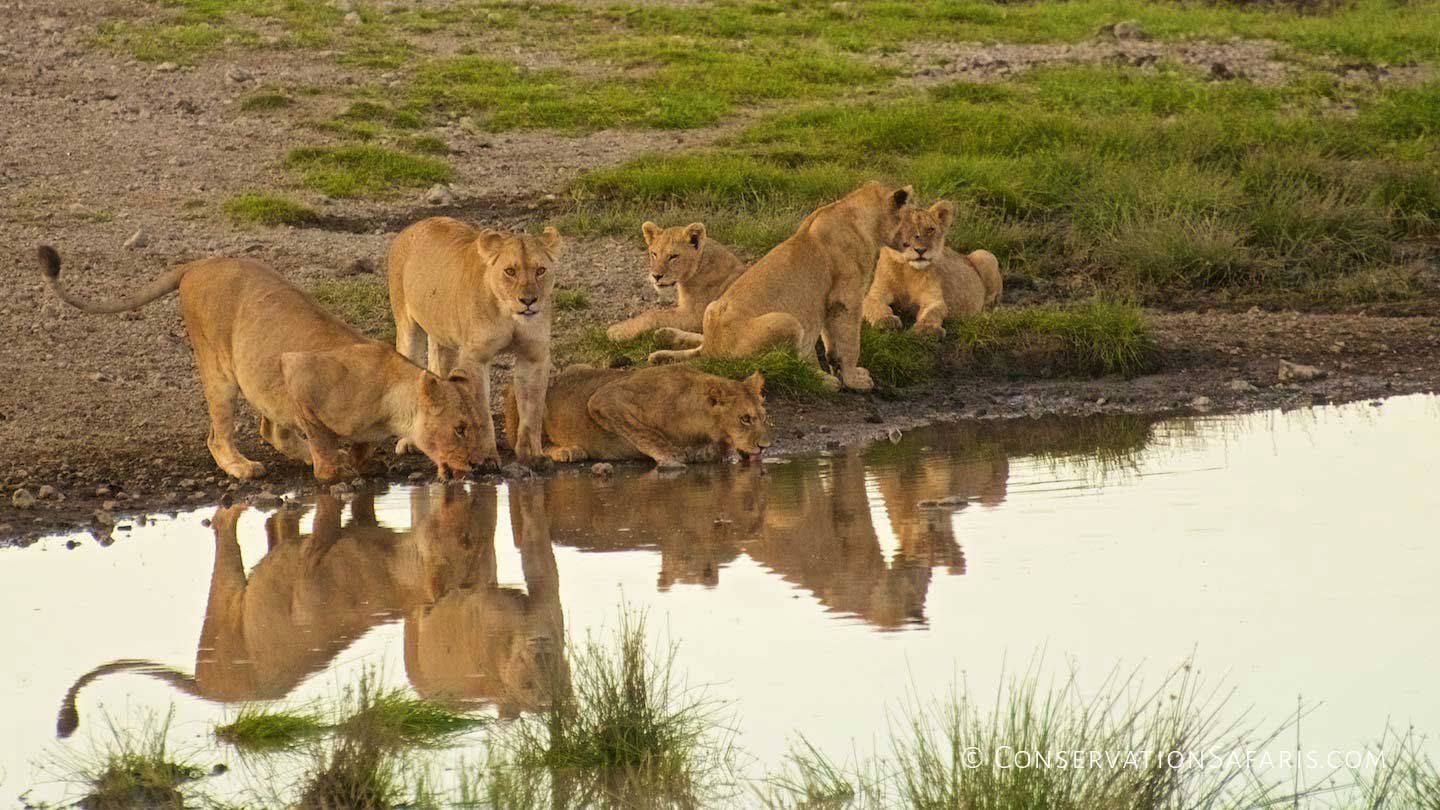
<point x="471" y="295"/>
<point x="671" y="414"/>
<point x="699" y="268"/>
<point x="929" y="279"/>
<point x="314" y="379"/>
<point x="809" y="287"/>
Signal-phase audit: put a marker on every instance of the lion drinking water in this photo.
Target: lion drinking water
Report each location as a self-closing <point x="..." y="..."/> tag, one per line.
<point x="315" y="380"/>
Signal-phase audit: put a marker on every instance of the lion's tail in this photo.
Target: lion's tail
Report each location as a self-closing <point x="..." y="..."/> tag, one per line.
<point x="988" y="268"/>
<point x="69" y="717"/>
<point x="161" y="286"/>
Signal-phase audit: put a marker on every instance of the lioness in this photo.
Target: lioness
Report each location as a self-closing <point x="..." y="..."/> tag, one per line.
<point x="474" y="294"/>
<point x="927" y="278"/>
<point x="671" y="414"/>
<point x="314" y="379"/>
<point x="810" y="286"/>
<point x="699" y="268"/>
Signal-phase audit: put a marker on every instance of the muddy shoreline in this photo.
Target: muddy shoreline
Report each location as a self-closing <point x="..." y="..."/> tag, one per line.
<point x="1215" y="363"/>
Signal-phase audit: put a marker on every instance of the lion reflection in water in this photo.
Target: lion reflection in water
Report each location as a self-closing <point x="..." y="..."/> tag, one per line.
<point x="465" y="637"/>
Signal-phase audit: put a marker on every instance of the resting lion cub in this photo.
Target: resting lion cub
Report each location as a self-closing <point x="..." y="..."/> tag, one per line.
<point x="929" y="279"/>
<point x="809" y="287"/>
<point x="314" y="379"/>
<point x="699" y="268"/>
<point x="474" y="294"/>
<point x="671" y="414"/>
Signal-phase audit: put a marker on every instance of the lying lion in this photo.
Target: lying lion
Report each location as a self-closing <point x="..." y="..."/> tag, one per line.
<point x="699" y="268"/>
<point x="671" y="414"/>
<point x="314" y="379"/>
<point x="928" y="279"/>
<point x="473" y="294"/>
<point x="809" y="287"/>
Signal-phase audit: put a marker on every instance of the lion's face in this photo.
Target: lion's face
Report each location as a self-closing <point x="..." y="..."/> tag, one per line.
<point x="738" y="411"/>
<point x="518" y="269"/>
<point x="674" y="252"/>
<point x="449" y="424"/>
<point x="921" y="238"/>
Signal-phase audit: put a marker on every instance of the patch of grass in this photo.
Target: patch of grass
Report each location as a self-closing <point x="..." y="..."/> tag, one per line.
<point x="785" y="374"/>
<point x="593" y="346"/>
<point x="898" y="358"/>
<point x="266" y="101"/>
<point x="364" y="170"/>
<point x="1083" y="338"/>
<point x="571" y="300"/>
<point x="397" y="716"/>
<point x="257" y="729"/>
<point x="262" y="208"/>
<point x="134" y="768"/>
<point x="363" y="304"/>
<point x="357" y="772"/>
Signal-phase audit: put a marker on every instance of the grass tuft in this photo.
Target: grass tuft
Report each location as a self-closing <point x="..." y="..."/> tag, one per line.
<point x="257" y="729"/>
<point x="364" y="170"/>
<point x="362" y="304"/>
<point x="134" y="768"/>
<point x="593" y="346"/>
<point x="571" y="300"/>
<point x="898" y="358"/>
<point x="261" y="208"/>
<point x="1093" y="337"/>
<point x="785" y="374"/>
<point x="266" y="101"/>
<point x="399" y="718"/>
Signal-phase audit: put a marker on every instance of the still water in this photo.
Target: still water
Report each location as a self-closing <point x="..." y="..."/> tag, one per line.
<point x="1293" y="555"/>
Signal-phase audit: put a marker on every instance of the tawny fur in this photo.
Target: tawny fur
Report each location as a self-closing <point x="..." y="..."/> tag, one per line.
<point x="696" y="266"/>
<point x="672" y="414"/>
<point x="314" y="380"/>
<point x="470" y="294"/>
<point x="926" y="279"/>
<point x="809" y="287"/>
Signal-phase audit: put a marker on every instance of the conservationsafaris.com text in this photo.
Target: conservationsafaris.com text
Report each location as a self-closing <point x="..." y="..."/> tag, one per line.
<point x="1007" y="757"/>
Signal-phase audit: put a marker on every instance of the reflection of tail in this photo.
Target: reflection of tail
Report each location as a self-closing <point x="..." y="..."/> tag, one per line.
<point x="69" y="717"/>
<point x="164" y="285"/>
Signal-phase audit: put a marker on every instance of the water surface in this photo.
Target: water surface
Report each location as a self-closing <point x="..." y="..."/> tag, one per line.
<point x="1292" y="553"/>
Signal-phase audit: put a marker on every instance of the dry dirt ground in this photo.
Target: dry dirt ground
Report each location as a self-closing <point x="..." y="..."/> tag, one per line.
<point x="107" y="411"/>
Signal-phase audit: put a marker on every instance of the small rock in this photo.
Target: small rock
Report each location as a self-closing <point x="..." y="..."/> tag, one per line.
<point x="104" y="518"/>
<point x="238" y="75"/>
<point x="46" y="493"/>
<point x="360" y="266"/>
<point x="166" y="67"/>
<point x="893" y="434"/>
<point x="353" y="18"/>
<point x="139" y="239"/>
<point x="439" y="194"/>
<point x="72" y="544"/>
<point x="1296" y="372"/>
<point x="103" y="491"/>
<point x="1201" y="403"/>
<point x="22" y="499"/>
<point x="602" y="469"/>
<point x="516" y="471"/>
<point x="1241" y="386"/>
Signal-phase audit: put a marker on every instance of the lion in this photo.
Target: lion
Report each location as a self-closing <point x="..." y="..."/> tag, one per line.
<point x="315" y="380"/>
<point x="699" y="268"/>
<point x="928" y="279"/>
<point x="671" y="414"/>
<point x="472" y="294"/>
<point x="808" y="287"/>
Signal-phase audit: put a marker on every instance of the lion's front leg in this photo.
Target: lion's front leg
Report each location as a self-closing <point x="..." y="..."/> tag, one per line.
<point x="931" y="320"/>
<point x="532" y="377"/>
<point x="842" y="326"/>
<point x="477" y="365"/>
<point x="876" y="309"/>
<point x="646" y="321"/>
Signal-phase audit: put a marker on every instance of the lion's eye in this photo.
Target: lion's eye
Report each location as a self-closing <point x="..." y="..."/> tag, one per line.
<point x="674" y="256"/>
<point x="460" y="431"/>
<point x="540" y="271"/>
<point x="746" y="419"/>
<point x="510" y="271"/>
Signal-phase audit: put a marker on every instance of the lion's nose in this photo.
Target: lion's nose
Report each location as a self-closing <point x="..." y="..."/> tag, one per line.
<point x="529" y="301"/>
<point x="919" y="251"/>
<point x="657" y="276"/>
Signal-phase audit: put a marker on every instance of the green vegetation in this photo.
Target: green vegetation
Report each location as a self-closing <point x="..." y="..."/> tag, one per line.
<point x="263" y="208"/>
<point x="1093" y="177"/>
<point x="398" y="718"/>
<point x="570" y="300"/>
<point x="362" y="304"/>
<point x="1091" y="338"/>
<point x="356" y="772"/>
<point x="593" y="346"/>
<point x="265" y="101"/>
<point x="134" y="768"/>
<point x="897" y="359"/>
<point x="364" y="170"/>
<point x="257" y="729"/>
<point x="785" y="374"/>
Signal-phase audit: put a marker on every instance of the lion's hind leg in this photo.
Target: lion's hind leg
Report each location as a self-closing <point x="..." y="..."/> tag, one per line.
<point x="222" y="391"/>
<point x="672" y="355"/>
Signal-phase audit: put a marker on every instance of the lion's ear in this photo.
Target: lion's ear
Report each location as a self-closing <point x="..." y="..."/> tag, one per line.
<point x="695" y="232"/>
<point x="715" y="396"/>
<point x="944" y="210"/>
<point x="490" y="240"/>
<point x="901" y="196"/>
<point x="552" y="240"/>
<point x="431" y="396"/>
<point x="649" y="230"/>
<point x="755" y="383"/>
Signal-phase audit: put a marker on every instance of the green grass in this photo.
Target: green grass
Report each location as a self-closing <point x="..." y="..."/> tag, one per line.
<point x="262" y="208"/>
<point x="364" y="170"/>
<point x="362" y="304"/>
<point x="1070" y="339"/>
<point x="570" y="300"/>
<point x="133" y="768"/>
<point x="398" y="717"/>
<point x="593" y="346"/>
<point x="257" y="729"/>
<point x="266" y="101"/>
<point x="897" y="359"/>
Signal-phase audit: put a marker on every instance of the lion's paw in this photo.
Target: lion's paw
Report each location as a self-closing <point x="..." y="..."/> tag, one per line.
<point x="891" y="321"/>
<point x="857" y="379"/>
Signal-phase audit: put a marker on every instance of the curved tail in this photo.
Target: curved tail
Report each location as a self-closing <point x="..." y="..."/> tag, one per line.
<point x="164" y="285"/>
<point x="69" y="717"/>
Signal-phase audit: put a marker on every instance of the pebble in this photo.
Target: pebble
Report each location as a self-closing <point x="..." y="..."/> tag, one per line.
<point x="1201" y="403"/>
<point x="22" y="499"/>
<point x="1296" y="372"/>
<point x="166" y="67"/>
<point x="1242" y="386"/>
<point x="139" y="239"/>
<point x="602" y="469"/>
<point x="47" y="493"/>
<point x="893" y="435"/>
<point x="439" y="194"/>
<point x="238" y="75"/>
<point x="103" y="491"/>
<point x="516" y="471"/>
